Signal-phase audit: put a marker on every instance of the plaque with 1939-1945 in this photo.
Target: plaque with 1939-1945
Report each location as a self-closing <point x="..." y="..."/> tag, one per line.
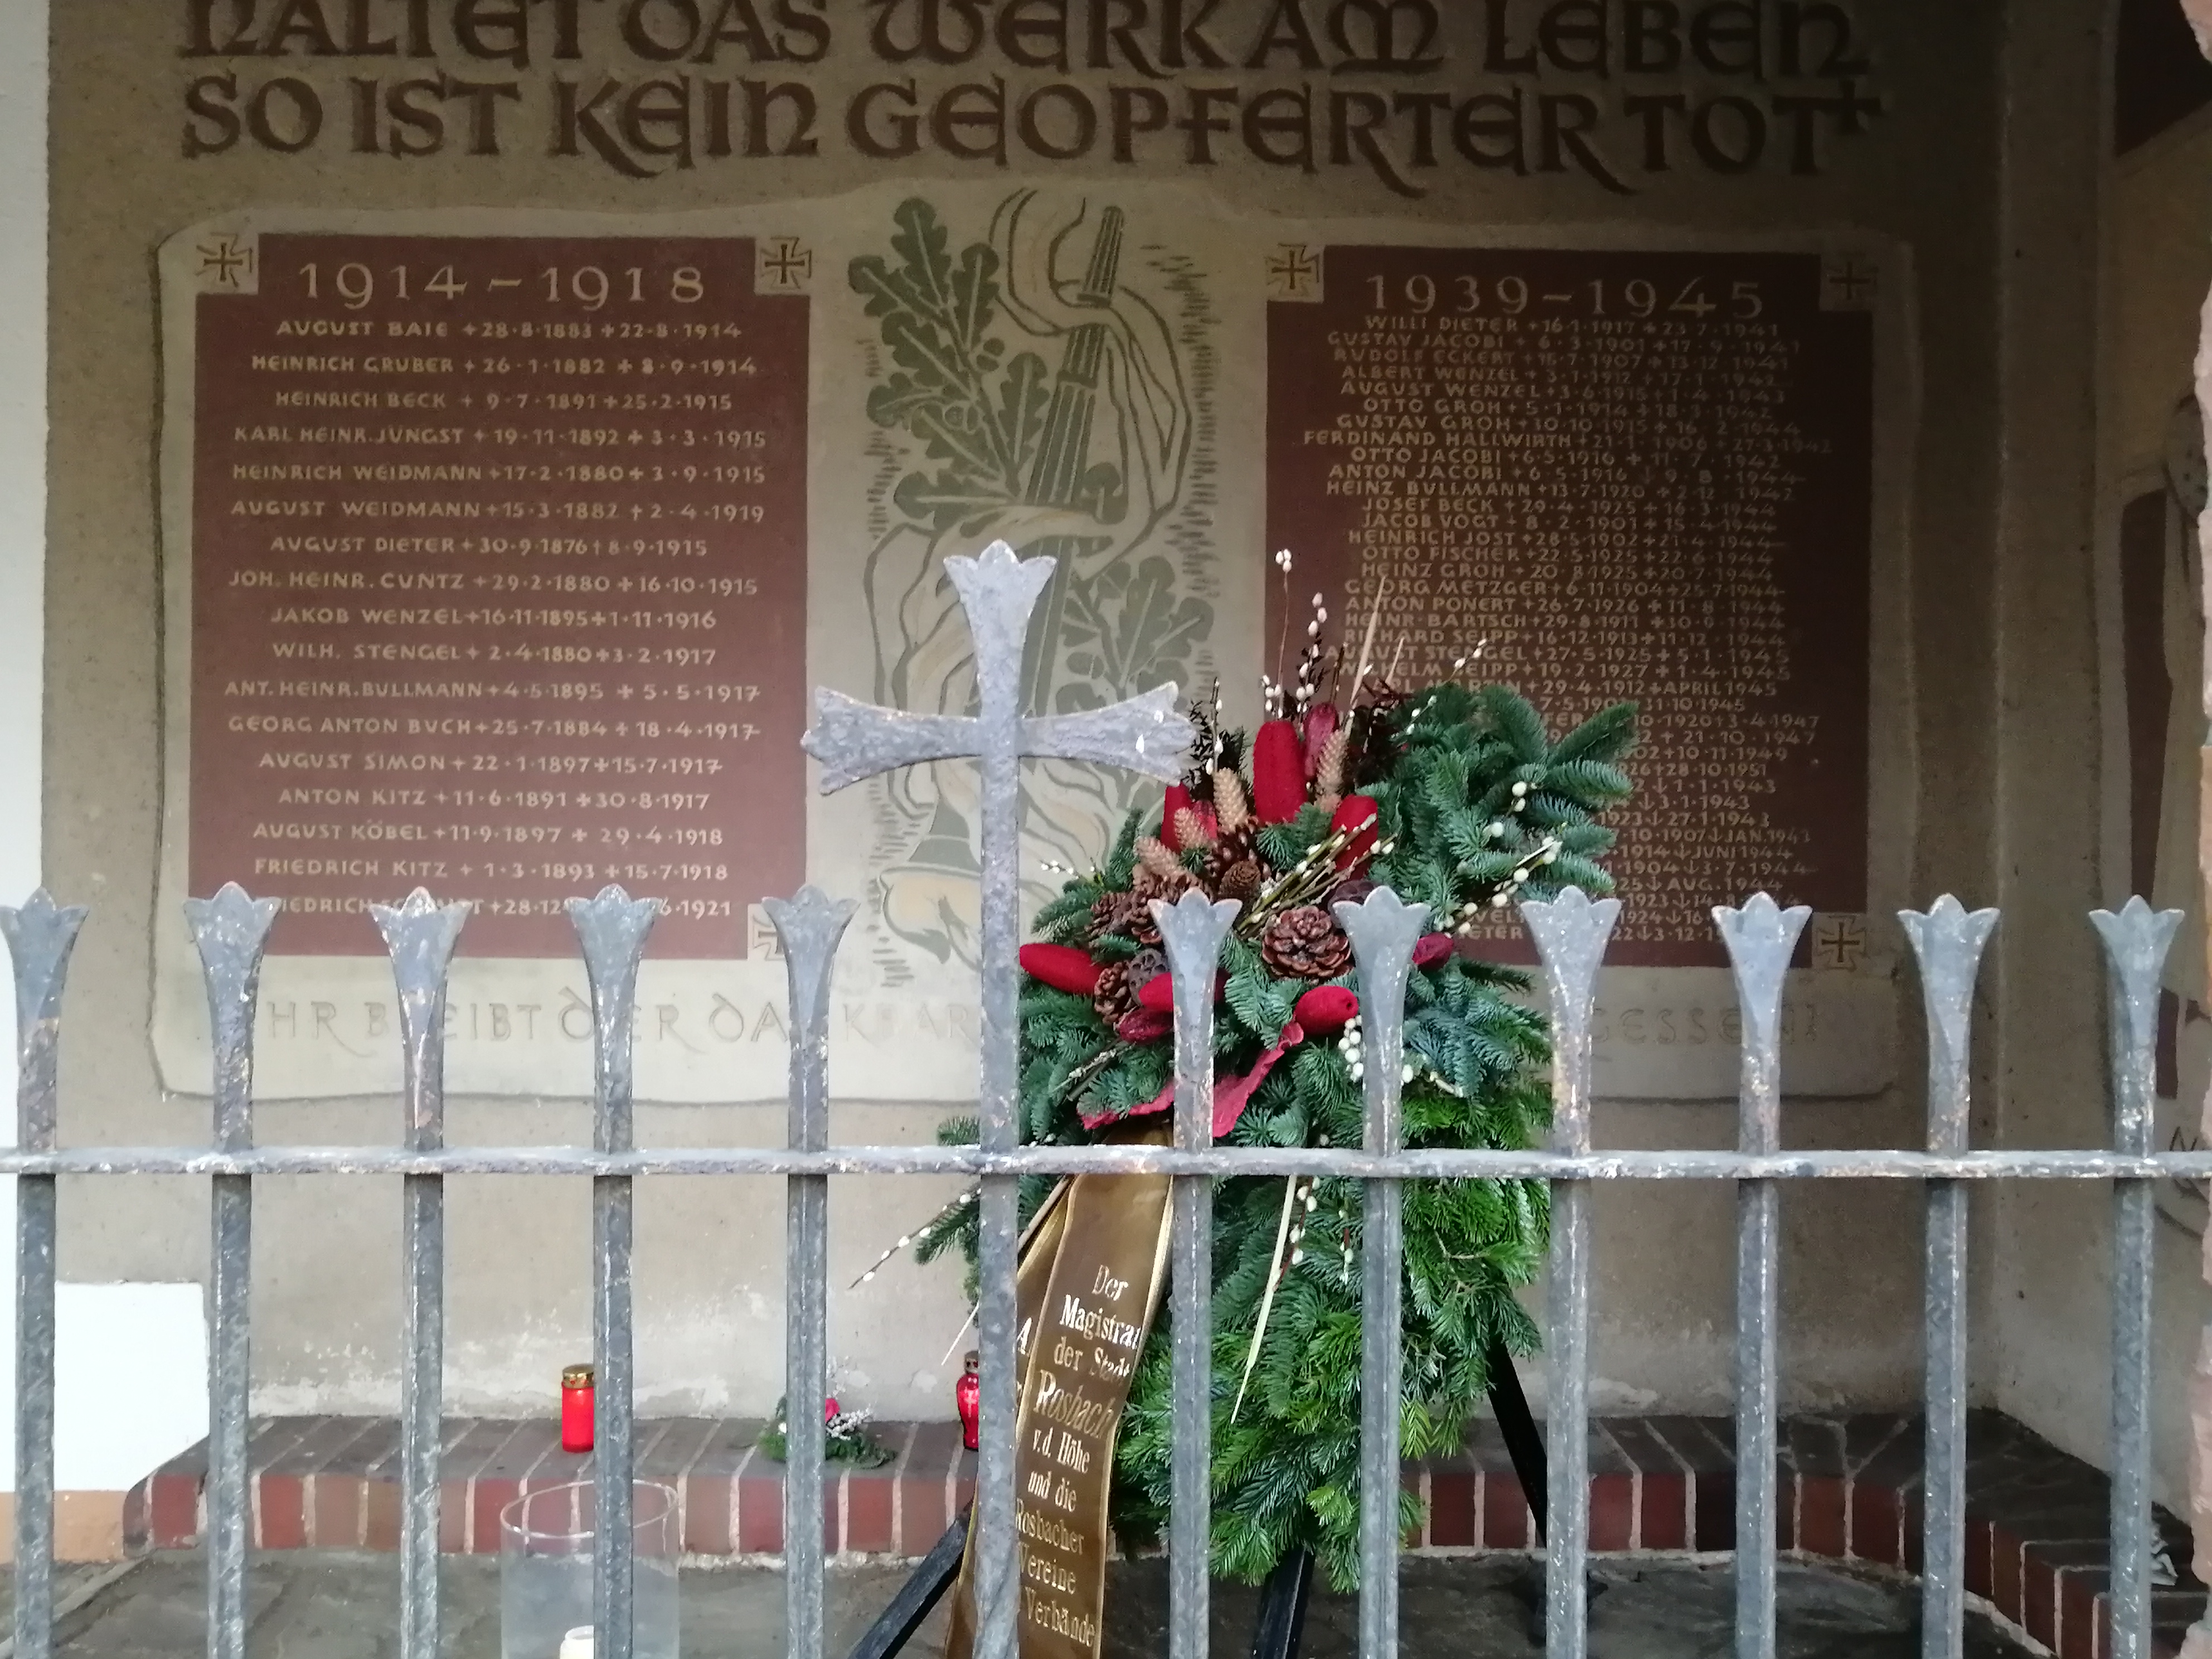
<point x="1607" y="474"/>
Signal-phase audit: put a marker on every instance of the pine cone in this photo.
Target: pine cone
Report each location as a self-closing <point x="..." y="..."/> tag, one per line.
<point x="1116" y="995"/>
<point x="1192" y="830"/>
<point x="1162" y="872"/>
<point x="1235" y="846"/>
<point x="1164" y="884"/>
<point x="1240" y="881"/>
<point x="1124" y="912"/>
<point x="1302" y="943"/>
<point x="1230" y="810"/>
<point x="1328" y="770"/>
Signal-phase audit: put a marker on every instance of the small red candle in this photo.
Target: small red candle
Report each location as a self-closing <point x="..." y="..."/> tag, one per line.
<point x="576" y="1408"/>
<point x="967" y="1397"/>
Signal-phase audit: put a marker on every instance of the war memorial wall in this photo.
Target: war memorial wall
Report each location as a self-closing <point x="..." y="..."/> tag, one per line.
<point x="479" y="426"/>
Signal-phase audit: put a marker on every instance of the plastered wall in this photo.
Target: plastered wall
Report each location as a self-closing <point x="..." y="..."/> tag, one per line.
<point x="1926" y="173"/>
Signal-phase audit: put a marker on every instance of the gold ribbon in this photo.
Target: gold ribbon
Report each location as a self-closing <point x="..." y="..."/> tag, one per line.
<point x="1085" y="1293"/>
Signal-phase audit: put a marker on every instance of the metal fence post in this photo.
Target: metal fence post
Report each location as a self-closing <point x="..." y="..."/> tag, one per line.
<point x="2135" y="943"/>
<point x="1192" y="930"/>
<point x="40" y="936"/>
<point x="1948" y="940"/>
<point x="612" y="928"/>
<point x="419" y="935"/>
<point x="1383" y="930"/>
<point x="1761" y="937"/>
<point x="808" y="927"/>
<point x="230" y="931"/>
<point x="1571" y="933"/>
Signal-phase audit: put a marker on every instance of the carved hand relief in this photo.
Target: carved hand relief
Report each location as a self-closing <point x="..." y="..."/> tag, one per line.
<point x="1038" y="393"/>
<point x="506" y="550"/>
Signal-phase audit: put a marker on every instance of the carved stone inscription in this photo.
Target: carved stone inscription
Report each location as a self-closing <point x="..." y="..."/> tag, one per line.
<point x="1636" y="475"/>
<point x="499" y="583"/>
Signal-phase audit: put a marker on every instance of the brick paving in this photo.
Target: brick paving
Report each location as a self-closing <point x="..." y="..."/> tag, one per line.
<point x="1849" y="1492"/>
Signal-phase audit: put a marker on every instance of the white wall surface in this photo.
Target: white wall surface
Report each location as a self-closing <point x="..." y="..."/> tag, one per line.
<point x="130" y="1382"/>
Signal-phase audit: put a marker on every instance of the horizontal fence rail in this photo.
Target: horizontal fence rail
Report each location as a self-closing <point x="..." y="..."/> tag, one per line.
<point x="1570" y="932"/>
<point x="1322" y="1162"/>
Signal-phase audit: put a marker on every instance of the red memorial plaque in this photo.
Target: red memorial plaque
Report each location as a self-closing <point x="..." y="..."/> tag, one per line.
<point x="1638" y="475"/>
<point x="499" y="584"/>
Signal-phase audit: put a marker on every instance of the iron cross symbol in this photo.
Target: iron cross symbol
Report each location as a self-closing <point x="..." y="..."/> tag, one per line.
<point x="1292" y="270"/>
<point x="225" y="260"/>
<point x="785" y="263"/>
<point x="855" y="740"/>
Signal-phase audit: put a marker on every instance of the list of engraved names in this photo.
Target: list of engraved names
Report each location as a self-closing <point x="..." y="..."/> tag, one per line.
<point x="498" y="584"/>
<point x="1636" y="476"/>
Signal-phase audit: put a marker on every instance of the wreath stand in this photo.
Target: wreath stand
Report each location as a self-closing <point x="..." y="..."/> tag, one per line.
<point x="1281" y="1625"/>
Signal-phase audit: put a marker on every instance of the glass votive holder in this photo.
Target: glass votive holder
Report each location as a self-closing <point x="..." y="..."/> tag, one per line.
<point x="548" y="1547"/>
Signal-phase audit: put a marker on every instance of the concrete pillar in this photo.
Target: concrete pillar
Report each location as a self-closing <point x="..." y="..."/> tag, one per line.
<point x="2199" y="1642"/>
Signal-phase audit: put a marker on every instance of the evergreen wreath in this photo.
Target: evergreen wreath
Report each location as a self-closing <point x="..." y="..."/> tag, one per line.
<point x="1454" y="797"/>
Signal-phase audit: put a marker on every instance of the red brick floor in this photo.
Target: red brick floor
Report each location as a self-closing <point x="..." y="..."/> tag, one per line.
<point x="1849" y="1490"/>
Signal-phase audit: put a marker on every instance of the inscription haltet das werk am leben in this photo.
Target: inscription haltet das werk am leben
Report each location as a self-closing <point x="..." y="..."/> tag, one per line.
<point x="1617" y="98"/>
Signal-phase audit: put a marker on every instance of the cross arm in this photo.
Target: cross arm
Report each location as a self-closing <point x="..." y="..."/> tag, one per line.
<point x="855" y="740"/>
<point x="1143" y="734"/>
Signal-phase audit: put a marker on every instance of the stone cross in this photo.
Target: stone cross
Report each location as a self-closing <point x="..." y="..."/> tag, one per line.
<point x="855" y="740"/>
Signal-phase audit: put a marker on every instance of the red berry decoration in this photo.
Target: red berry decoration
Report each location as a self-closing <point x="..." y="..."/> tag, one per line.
<point x="1062" y="967"/>
<point x="1143" y="1025"/>
<point x="1278" y="773"/>
<point x="1178" y="800"/>
<point x="1318" y="727"/>
<point x="1157" y="993"/>
<point x="1325" y="1008"/>
<point x="1431" y="947"/>
<point x="1355" y="812"/>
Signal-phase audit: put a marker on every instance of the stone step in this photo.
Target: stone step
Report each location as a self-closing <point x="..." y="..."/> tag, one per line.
<point x="1849" y="1490"/>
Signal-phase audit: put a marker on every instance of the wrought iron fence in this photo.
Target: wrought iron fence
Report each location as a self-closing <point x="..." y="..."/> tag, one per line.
<point x="1571" y="933"/>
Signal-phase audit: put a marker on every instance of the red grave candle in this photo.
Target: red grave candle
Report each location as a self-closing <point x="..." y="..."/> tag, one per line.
<point x="577" y="1396"/>
<point x="967" y="1397"/>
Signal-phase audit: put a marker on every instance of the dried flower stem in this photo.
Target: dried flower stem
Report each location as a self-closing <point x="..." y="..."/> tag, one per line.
<point x="1304" y="883"/>
<point x="1366" y="662"/>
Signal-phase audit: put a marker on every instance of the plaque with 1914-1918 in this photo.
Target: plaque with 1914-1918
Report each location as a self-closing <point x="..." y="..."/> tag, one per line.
<point x="498" y="583"/>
